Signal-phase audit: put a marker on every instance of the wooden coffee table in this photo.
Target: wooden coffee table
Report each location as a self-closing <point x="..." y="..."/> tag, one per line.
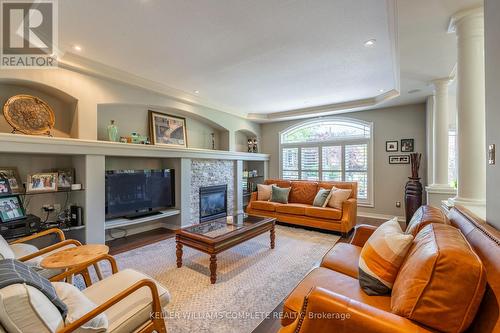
<point x="75" y="257"/>
<point x="215" y="236"/>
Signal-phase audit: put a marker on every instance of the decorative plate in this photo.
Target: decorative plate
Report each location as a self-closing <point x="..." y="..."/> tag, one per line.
<point x="29" y="115"/>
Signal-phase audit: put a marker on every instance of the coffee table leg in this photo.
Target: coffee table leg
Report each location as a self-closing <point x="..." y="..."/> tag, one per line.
<point x="213" y="268"/>
<point x="179" y="255"/>
<point x="273" y="237"/>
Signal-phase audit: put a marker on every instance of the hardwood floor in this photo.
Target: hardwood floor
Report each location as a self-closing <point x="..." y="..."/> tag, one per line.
<point x="128" y="243"/>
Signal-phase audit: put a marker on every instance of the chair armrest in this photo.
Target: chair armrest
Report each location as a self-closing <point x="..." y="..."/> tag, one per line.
<point x="56" y="231"/>
<point x="156" y="316"/>
<point x="361" y="234"/>
<point x="325" y="311"/>
<point x="349" y="214"/>
<point x="50" y="248"/>
<point x="79" y="269"/>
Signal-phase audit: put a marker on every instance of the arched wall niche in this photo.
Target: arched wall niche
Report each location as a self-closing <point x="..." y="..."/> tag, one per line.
<point x="63" y="104"/>
<point x="241" y="139"/>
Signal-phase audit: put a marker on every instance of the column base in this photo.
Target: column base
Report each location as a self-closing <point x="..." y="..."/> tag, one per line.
<point x="478" y="207"/>
<point x="436" y="193"/>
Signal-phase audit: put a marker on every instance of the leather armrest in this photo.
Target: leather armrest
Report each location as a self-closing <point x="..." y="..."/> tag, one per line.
<point x="349" y="214"/>
<point x="253" y="196"/>
<point x="361" y="234"/>
<point x="325" y="311"/>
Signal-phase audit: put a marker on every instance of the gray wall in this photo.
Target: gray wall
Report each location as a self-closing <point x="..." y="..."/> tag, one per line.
<point x="492" y="67"/>
<point x="395" y="123"/>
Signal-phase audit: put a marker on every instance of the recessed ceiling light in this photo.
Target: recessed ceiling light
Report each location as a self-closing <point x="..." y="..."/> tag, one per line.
<point x="77" y="48"/>
<point x="370" y="43"/>
<point x="381" y="90"/>
<point x="196" y="91"/>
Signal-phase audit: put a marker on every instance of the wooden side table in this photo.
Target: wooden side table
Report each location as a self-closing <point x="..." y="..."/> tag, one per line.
<point x="74" y="257"/>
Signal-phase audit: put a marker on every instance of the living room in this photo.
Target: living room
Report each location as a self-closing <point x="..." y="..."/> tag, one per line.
<point x="265" y="166"/>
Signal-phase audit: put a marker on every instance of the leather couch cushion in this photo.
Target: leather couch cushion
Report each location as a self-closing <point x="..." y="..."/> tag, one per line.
<point x="265" y="205"/>
<point x="278" y="182"/>
<point x="442" y="281"/>
<point x="303" y="192"/>
<point x="424" y="216"/>
<point x="343" y="258"/>
<point x="324" y="213"/>
<point x="335" y="282"/>
<point x="294" y="209"/>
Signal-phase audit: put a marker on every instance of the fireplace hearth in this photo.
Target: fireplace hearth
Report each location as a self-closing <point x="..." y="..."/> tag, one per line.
<point x="213" y="202"/>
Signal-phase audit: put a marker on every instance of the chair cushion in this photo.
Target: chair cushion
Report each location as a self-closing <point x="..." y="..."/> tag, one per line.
<point x="381" y="257"/>
<point x="264" y="205"/>
<point x="324" y="213"/>
<point x="264" y="192"/>
<point x="424" y="216"/>
<point x="441" y="282"/>
<point x="26" y="309"/>
<point x="78" y="305"/>
<point x="294" y="209"/>
<point x="5" y="249"/>
<point x="337" y="197"/>
<point x="303" y="192"/>
<point x="333" y="281"/>
<point x="21" y="249"/>
<point x="343" y="258"/>
<point x="280" y="194"/>
<point x="134" y="310"/>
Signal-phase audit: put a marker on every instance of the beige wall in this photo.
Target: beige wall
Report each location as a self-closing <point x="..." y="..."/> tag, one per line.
<point x="388" y="124"/>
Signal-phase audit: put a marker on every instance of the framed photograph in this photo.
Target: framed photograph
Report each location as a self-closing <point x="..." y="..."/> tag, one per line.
<point x="407" y="145"/>
<point x="65" y="178"/>
<point x="391" y="146"/>
<point x="42" y="182"/>
<point x="11" y="208"/>
<point x="12" y="175"/>
<point x="4" y="186"/>
<point x="165" y="129"/>
<point x="399" y="159"/>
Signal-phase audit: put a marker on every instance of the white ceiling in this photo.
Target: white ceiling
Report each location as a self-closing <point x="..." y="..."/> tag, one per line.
<point x="267" y="57"/>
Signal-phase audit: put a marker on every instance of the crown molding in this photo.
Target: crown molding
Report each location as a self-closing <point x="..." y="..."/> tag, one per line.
<point x="458" y="16"/>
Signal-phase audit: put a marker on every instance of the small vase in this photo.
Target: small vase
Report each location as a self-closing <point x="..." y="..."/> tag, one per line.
<point x="113" y="132"/>
<point x="413" y="197"/>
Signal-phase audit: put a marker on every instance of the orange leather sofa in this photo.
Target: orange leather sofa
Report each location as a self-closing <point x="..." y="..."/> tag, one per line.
<point x="300" y="211"/>
<point x="329" y="298"/>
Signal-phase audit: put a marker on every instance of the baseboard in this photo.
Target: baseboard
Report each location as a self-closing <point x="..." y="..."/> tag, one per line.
<point x="381" y="216"/>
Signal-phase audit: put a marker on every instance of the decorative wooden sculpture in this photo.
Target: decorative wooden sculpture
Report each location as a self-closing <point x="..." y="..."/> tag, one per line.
<point x="413" y="188"/>
<point x="29" y="115"/>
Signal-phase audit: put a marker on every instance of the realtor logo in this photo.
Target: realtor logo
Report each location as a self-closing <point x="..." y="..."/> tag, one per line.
<point x="29" y="33"/>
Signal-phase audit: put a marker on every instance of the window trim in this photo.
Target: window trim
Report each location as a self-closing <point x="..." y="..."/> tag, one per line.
<point x="369" y="202"/>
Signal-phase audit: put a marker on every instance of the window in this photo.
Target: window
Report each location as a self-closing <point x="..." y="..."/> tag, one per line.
<point x="336" y="149"/>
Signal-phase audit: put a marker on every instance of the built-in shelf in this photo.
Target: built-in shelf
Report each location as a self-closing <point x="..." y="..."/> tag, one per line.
<point x="49" y="192"/>
<point x="123" y="222"/>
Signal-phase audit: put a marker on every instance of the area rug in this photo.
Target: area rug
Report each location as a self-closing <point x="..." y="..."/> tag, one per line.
<point x="252" y="279"/>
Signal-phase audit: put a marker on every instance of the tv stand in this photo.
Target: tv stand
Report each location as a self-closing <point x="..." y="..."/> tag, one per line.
<point x="142" y="214"/>
<point x="122" y="221"/>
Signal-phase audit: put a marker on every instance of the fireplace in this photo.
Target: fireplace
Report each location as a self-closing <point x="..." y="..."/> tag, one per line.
<point x="213" y="202"/>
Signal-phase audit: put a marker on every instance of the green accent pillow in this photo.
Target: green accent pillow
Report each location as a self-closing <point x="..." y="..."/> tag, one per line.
<point x="321" y="197"/>
<point x="280" y="194"/>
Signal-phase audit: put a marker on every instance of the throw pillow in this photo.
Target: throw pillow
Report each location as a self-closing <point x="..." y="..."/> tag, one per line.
<point x="78" y="305"/>
<point x="337" y="197"/>
<point x="264" y="192"/>
<point x="381" y="257"/>
<point x="321" y="197"/>
<point x="280" y="194"/>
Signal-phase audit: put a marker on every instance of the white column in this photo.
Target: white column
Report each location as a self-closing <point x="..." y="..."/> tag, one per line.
<point x="471" y="137"/>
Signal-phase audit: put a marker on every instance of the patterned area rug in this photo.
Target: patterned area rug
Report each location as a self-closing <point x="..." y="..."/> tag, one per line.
<point x="252" y="279"/>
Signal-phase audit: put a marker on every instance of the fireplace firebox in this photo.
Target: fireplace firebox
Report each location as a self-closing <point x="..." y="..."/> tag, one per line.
<point x="213" y="202"/>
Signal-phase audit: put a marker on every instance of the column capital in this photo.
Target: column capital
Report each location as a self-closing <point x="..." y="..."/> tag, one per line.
<point x="441" y="82"/>
<point x="475" y="14"/>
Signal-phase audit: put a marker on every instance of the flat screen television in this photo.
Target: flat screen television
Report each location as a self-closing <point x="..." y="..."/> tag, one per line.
<point x="135" y="193"/>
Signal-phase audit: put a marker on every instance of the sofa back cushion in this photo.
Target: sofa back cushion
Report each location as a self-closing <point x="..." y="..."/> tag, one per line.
<point x="424" y="216"/>
<point x="442" y="281"/>
<point x="278" y="182"/>
<point x="303" y="192"/>
<point x="5" y="249"/>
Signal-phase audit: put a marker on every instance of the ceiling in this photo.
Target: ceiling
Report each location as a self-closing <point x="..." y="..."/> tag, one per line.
<point x="270" y="59"/>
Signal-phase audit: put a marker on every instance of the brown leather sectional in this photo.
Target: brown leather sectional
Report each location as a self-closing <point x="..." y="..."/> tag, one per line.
<point x="449" y="282"/>
<point x="300" y="211"/>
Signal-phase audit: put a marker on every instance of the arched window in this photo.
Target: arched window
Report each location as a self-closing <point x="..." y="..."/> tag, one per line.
<point x="331" y="148"/>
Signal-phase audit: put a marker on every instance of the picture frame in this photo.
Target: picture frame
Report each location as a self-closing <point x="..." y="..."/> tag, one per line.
<point x="392" y="146"/>
<point x="12" y="175"/>
<point x="42" y="182"/>
<point x="11" y="208"/>
<point x="65" y="178"/>
<point x="407" y="145"/>
<point x="167" y="130"/>
<point x="399" y="159"/>
<point x="4" y="187"/>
